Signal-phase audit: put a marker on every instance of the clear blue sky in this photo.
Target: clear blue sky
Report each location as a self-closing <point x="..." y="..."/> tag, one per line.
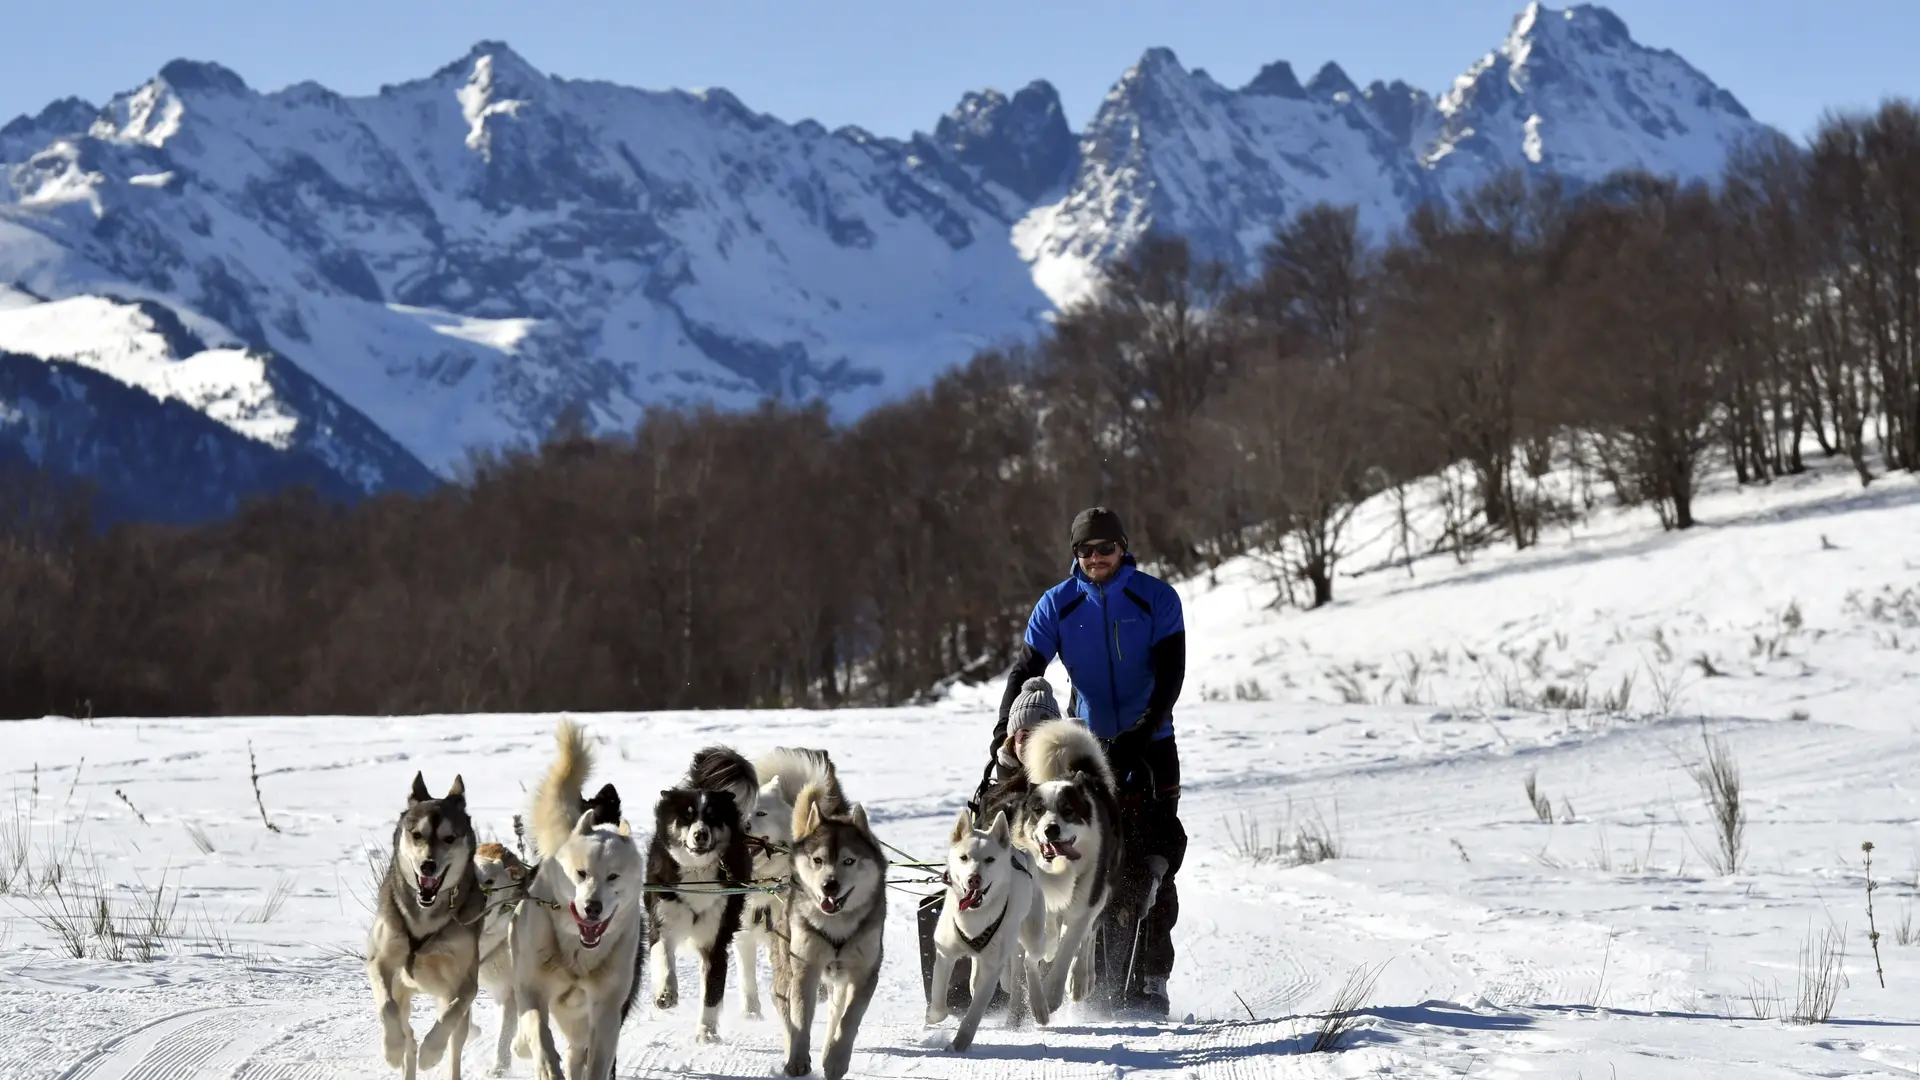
<point x="893" y="66"/>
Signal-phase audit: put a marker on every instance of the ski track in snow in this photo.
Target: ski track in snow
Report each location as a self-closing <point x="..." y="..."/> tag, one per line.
<point x="1598" y="945"/>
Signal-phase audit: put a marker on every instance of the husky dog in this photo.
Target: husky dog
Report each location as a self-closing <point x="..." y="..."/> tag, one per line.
<point x="783" y="772"/>
<point x="576" y="937"/>
<point x="426" y="929"/>
<point x="993" y="917"/>
<point x="503" y="878"/>
<point x="1067" y="816"/>
<point x="699" y="841"/>
<point x="836" y="912"/>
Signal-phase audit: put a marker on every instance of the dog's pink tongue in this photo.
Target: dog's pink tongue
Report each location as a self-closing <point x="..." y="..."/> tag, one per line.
<point x="830" y="904"/>
<point x="591" y="932"/>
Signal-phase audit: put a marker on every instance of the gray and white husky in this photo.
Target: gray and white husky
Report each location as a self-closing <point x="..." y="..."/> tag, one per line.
<point x="1068" y="818"/>
<point x="994" y="918"/>
<point x="783" y="772"/>
<point x="426" y="930"/>
<point x="577" y="936"/>
<point x="836" y="915"/>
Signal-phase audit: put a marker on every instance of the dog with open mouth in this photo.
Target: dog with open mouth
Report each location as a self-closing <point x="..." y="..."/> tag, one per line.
<point x="699" y="845"/>
<point x="836" y="915"/>
<point x="993" y="918"/>
<point x="426" y="934"/>
<point x="577" y="934"/>
<point x="783" y="772"/>
<point x="1066" y="813"/>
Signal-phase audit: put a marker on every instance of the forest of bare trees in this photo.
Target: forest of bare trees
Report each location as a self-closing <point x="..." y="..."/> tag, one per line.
<point x="1638" y="331"/>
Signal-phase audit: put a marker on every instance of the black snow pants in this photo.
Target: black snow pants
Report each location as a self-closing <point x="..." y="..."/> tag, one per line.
<point x="1135" y="947"/>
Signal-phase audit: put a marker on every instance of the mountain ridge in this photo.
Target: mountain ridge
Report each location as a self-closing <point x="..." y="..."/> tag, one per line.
<point x="467" y="257"/>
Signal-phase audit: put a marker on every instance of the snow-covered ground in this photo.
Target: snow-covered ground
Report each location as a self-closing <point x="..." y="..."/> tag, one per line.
<point x="1598" y="945"/>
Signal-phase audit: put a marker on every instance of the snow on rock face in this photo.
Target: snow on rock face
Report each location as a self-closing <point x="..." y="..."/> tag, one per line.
<point x="1571" y="93"/>
<point x="611" y="248"/>
<point x="1174" y="151"/>
<point x="1021" y="143"/>
<point x="146" y="346"/>
<point x="660" y="247"/>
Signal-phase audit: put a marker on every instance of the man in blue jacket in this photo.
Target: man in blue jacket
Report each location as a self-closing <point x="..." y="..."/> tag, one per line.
<point x="1122" y="637"/>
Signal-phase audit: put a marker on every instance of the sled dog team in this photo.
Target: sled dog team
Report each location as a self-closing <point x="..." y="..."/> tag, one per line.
<point x="744" y="855"/>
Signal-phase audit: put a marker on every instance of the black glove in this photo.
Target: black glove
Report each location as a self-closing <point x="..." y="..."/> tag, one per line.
<point x="1128" y="750"/>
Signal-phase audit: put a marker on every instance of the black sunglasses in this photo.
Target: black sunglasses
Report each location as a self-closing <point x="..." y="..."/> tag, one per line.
<point x="1103" y="549"/>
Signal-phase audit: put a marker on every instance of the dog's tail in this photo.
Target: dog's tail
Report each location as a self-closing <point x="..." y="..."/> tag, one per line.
<point x="1059" y="748"/>
<point x="817" y="799"/>
<point x="796" y="767"/>
<point x="557" y="805"/>
<point x="717" y="768"/>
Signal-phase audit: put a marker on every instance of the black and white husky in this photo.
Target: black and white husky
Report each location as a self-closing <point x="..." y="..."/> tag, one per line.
<point x="1066" y="813"/>
<point x="699" y="841"/>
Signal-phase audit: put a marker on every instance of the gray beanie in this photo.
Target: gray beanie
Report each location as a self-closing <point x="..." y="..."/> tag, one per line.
<point x="1034" y="706"/>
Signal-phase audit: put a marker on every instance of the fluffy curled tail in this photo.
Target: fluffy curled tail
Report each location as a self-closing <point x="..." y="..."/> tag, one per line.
<point x="557" y="805"/>
<point x="817" y="802"/>
<point x="1059" y="748"/>
<point x="718" y="768"/>
<point x="795" y="767"/>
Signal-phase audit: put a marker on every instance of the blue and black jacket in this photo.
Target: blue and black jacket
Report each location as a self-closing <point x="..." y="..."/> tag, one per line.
<point x="1124" y="645"/>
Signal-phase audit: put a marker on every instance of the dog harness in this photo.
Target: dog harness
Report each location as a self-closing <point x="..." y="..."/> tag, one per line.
<point x="979" y="944"/>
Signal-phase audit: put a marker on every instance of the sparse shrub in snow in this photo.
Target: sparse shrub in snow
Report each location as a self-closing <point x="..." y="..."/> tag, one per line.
<point x="1900" y="608"/>
<point x="1873" y="928"/>
<point x="1542" y="805"/>
<point x="1764" y="1000"/>
<point x="1719" y="779"/>
<point x="1339" y="1021"/>
<point x="1822" y="974"/>
<point x="1904" y="932"/>
<point x="92" y="920"/>
<point x="1305" y="842"/>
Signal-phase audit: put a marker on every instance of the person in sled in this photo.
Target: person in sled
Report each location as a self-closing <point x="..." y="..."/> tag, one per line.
<point x="1121" y="634"/>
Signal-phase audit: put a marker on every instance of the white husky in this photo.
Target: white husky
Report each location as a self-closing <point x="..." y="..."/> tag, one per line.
<point x="503" y="879"/>
<point x="993" y="917"/>
<point x="577" y="937"/>
<point x="784" y="772"/>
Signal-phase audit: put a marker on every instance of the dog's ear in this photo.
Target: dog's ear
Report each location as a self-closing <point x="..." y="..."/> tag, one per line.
<point x="419" y="794"/>
<point x="860" y="820"/>
<point x="1000" y="831"/>
<point x="458" y="792"/>
<point x="607" y="802"/>
<point x="625" y="829"/>
<point x="585" y="824"/>
<point x="962" y="825"/>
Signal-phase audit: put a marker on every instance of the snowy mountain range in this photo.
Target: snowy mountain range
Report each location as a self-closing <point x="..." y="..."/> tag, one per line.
<point x="381" y="284"/>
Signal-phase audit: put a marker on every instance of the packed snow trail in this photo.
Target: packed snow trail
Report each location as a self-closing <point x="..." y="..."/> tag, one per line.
<point x="1550" y="948"/>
